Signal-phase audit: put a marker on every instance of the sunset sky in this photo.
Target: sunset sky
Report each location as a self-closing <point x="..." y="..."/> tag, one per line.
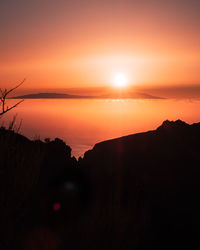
<point x="72" y="44"/>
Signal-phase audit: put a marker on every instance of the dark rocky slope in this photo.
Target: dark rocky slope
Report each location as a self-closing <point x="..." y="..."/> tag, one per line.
<point x="146" y="188"/>
<point x="30" y="175"/>
<point x="136" y="192"/>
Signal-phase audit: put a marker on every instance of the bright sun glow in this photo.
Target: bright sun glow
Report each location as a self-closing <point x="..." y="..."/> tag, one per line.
<point x="120" y="80"/>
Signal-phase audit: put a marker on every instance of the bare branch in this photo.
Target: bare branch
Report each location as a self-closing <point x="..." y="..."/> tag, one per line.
<point x="9" y="91"/>
<point x="8" y="109"/>
<point x="3" y="98"/>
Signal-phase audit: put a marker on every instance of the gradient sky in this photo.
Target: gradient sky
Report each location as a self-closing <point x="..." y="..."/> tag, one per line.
<point x="61" y="44"/>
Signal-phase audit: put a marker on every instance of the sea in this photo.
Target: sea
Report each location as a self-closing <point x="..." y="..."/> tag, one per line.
<point x="82" y="123"/>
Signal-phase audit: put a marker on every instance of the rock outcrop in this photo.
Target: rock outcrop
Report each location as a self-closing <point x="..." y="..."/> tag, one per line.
<point x="146" y="188"/>
<point x="137" y="192"/>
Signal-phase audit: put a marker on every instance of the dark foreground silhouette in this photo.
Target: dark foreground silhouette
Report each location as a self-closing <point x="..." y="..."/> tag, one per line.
<point x="136" y="192"/>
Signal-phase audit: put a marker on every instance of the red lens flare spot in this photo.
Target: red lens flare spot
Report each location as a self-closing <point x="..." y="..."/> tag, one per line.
<point x="56" y="207"/>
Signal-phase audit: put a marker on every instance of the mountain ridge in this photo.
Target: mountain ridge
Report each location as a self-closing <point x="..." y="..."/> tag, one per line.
<point x="49" y="96"/>
<point x="115" y="95"/>
<point x="167" y="126"/>
<point x="151" y="182"/>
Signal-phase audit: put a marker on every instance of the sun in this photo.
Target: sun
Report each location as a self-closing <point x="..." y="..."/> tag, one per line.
<point x="120" y="80"/>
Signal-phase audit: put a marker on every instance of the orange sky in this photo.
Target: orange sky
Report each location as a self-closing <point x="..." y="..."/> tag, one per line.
<point x="64" y="44"/>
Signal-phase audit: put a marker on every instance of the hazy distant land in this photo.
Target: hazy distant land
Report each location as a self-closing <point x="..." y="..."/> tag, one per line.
<point x="105" y="96"/>
<point x="50" y="96"/>
<point x="189" y="91"/>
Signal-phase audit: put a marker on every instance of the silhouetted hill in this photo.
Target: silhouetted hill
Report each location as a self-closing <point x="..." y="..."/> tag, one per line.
<point x="138" y="192"/>
<point x="31" y="175"/>
<point x="146" y="188"/>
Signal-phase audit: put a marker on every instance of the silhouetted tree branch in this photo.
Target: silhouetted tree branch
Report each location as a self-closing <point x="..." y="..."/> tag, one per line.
<point x="4" y="93"/>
